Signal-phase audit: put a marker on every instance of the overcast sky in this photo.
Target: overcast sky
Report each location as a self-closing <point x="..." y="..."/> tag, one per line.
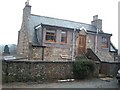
<point x="75" y="10"/>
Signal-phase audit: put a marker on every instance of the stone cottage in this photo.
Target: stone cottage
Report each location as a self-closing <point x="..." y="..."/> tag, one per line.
<point x="47" y="38"/>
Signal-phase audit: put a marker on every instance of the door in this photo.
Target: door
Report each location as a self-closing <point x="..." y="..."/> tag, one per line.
<point x="82" y="44"/>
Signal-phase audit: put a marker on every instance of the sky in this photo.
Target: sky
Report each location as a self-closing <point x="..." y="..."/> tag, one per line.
<point x="75" y="10"/>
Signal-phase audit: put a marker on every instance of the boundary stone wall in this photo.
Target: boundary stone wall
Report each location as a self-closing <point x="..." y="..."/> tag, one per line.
<point x="35" y="71"/>
<point x="38" y="71"/>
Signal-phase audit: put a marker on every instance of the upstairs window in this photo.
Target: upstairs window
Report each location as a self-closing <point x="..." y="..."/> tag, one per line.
<point x="51" y="35"/>
<point x="64" y="36"/>
<point x="104" y="42"/>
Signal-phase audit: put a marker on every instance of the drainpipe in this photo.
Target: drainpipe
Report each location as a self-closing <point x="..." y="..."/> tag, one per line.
<point x="73" y="45"/>
<point x="96" y="41"/>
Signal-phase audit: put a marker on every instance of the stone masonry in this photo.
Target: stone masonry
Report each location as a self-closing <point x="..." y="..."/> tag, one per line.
<point x="35" y="71"/>
<point x="38" y="71"/>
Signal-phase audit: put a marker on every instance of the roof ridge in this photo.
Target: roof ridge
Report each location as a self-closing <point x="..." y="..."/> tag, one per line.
<point x="61" y="19"/>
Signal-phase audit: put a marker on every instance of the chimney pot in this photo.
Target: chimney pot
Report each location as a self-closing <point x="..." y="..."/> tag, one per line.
<point x="95" y="17"/>
<point x="27" y="3"/>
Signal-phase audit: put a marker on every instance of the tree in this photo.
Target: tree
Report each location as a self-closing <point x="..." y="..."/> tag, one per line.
<point x="6" y="50"/>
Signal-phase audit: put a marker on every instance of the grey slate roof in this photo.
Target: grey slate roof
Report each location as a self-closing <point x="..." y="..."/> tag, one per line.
<point x="35" y="20"/>
<point x="62" y="23"/>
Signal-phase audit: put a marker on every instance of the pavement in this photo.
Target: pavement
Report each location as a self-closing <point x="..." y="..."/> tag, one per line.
<point x="88" y="83"/>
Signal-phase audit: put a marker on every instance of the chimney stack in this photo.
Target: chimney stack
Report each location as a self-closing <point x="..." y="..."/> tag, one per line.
<point x="97" y="23"/>
<point x="27" y="9"/>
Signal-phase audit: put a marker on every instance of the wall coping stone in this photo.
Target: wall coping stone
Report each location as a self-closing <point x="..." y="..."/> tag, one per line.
<point x="38" y="61"/>
<point x="115" y="62"/>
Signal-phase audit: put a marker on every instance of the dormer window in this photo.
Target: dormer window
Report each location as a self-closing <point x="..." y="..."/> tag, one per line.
<point x="64" y="36"/>
<point x="51" y="35"/>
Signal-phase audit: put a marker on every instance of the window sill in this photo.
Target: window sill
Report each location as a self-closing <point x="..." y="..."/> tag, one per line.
<point x="61" y="43"/>
<point x="47" y="42"/>
<point x="105" y="48"/>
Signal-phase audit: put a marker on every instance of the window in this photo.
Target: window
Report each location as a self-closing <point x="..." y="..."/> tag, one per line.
<point x="51" y="35"/>
<point x="104" y="42"/>
<point x="64" y="36"/>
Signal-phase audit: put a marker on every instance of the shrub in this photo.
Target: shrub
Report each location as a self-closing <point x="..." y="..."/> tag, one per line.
<point x="79" y="57"/>
<point x="83" y="68"/>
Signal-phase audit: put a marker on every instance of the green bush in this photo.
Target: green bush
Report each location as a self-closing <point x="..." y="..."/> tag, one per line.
<point x="79" y="57"/>
<point x="83" y="68"/>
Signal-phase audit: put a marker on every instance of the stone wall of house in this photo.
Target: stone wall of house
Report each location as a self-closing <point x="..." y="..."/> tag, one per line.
<point x="37" y="53"/>
<point x="24" y="38"/>
<point x="35" y="71"/>
<point x="51" y="53"/>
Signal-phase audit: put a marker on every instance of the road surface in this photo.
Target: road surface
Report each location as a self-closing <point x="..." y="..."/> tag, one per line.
<point x="91" y="83"/>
